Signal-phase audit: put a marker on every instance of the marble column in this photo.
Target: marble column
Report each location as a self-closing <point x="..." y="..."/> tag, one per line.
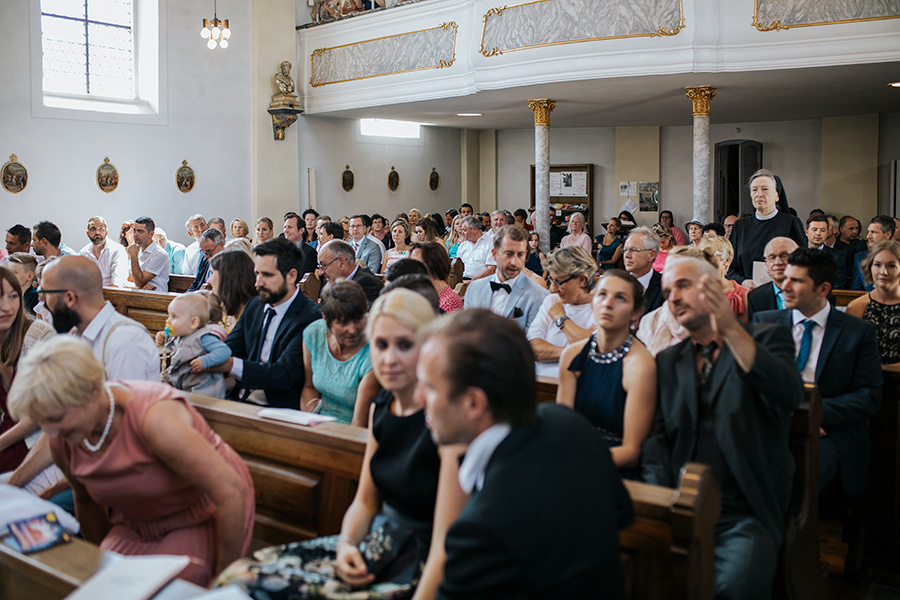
<point x="701" y="96"/>
<point x="542" y="110"/>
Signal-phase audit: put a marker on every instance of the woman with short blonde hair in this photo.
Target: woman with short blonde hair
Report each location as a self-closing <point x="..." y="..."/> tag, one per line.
<point x="112" y="438"/>
<point x="239" y="230"/>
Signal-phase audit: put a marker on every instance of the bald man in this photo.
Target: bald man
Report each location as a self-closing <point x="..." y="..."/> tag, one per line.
<point x="769" y="295"/>
<point x="73" y="292"/>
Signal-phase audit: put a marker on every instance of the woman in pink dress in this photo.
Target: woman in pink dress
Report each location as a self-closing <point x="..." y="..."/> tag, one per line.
<point x="577" y="234"/>
<point x="148" y="474"/>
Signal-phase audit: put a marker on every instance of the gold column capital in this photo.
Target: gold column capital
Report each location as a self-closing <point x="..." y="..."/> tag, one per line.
<point x="542" y="108"/>
<point x="701" y="96"/>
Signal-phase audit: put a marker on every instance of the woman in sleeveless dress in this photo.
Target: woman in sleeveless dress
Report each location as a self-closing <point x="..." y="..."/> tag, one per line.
<point x="400" y="234"/>
<point x="391" y="543"/>
<point x="881" y="306"/>
<point x="148" y="474"/>
<point x="611" y="377"/>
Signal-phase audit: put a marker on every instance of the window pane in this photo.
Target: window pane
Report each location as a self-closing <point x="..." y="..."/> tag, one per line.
<point x="65" y="8"/>
<point x="111" y="61"/>
<point x="63" y="56"/>
<point x="117" y="12"/>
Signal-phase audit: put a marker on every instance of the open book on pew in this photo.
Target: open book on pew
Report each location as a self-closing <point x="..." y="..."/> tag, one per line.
<point x="298" y="417"/>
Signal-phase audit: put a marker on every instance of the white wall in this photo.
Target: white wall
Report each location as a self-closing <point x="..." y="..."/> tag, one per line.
<point x="329" y="144"/>
<point x="595" y="145"/>
<point x="888" y="151"/>
<point x="208" y="125"/>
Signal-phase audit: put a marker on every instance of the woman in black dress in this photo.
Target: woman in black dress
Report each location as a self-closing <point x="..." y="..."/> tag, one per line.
<point x="881" y="306"/>
<point x="408" y="492"/>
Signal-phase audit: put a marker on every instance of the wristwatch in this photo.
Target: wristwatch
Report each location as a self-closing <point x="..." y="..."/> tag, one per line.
<point x="560" y="321"/>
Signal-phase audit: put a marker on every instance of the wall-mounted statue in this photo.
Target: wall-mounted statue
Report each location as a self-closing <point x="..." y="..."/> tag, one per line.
<point x="285" y="98"/>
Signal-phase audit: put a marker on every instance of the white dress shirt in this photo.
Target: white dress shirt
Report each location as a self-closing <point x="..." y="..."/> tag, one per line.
<point x="113" y="262"/>
<point x="476" y="256"/>
<point x="500" y="298"/>
<point x="808" y="374"/>
<point x="155" y="260"/>
<point x="644" y="279"/>
<point x="129" y="353"/>
<point x="544" y="328"/>
<point x="478" y="455"/>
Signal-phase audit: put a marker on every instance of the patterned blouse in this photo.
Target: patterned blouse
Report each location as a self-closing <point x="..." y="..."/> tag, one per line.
<point x="886" y="318"/>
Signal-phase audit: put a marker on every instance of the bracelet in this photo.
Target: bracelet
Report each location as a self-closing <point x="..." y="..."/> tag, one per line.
<point x="347" y="540"/>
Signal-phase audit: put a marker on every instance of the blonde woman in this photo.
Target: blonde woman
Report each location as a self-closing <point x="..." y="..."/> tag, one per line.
<point x="408" y="488"/>
<point x="400" y="234"/>
<point x="722" y="249"/>
<point x="453" y="238"/>
<point x="881" y="306"/>
<point x="239" y="230"/>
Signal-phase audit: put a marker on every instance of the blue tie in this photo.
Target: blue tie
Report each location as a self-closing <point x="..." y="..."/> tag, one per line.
<point x="779" y="297"/>
<point x="805" y="344"/>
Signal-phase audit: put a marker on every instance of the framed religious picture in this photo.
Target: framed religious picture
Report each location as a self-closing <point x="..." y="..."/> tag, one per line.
<point x="393" y="180"/>
<point x="434" y="180"/>
<point x="184" y="178"/>
<point x="13" y="175"/>
<point x="347" y="179"/>
<point x="107" y="176"/>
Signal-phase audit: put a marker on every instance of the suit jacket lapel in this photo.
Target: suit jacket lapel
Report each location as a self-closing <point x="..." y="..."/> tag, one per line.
<point x="285" y="322"/>
<point x="832" y="328"/>
<point x="515" y="294"/>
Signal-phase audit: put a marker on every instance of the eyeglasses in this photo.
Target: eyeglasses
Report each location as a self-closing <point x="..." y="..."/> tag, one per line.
<point x="633" y="250"/>
<point x="772" y="257"/>
<point x="559" y="282"/>
<point x="41" y="290"/>
<point x="325" y="266"/>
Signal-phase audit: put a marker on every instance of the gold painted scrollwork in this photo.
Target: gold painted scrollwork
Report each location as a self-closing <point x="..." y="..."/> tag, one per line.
<point x="492" y="12"/>
<point x="773" y="26"/>
<point x="778" y="25"/>
<point x="665" y="31"/>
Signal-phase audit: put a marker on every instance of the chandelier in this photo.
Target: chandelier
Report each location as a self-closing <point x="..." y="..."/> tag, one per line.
<point x="216" y="31"/>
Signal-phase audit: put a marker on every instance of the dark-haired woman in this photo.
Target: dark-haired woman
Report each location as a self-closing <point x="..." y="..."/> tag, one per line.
<point x="435" y="258"/>
<point x="19" y="332"/>
<point x="233" y="281"/>
<point x="611" y="377"/>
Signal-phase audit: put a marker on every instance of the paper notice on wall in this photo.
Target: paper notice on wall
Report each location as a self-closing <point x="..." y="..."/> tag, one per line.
<point x="630" y="206"/>
<point x="568" y="183"/>
<point x="627" y="189"/>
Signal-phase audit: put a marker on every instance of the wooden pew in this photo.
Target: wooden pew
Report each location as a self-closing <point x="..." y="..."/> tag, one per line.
<point x="147" y="308"/>
<point x="882" y="497"/>
<point x="668" y="551"/>
<point x="310" y="286"/>
<point x="845" y="297"/>
<point x="305" y="477"/>
<point x="180" y="283"/>
<point x="456" y="272"/>
<point x="49" y="575"/>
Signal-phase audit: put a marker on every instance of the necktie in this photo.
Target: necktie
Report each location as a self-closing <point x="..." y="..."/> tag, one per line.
<point x="805" y="344"/>
<point x="779" y="298"/>
<point x="706" y="355"/>
<point x="496" y="286"/>
<point x="270" y="314"/>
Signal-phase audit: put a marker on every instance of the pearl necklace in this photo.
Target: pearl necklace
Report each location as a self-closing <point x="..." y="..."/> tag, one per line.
<point x="614" y="355"/>
<point x="109" y="420"/>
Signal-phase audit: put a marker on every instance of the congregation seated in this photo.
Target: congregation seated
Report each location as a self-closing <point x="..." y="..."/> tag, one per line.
<point x="838" y="353"/>
<point x="401" y="234"/>
<point x="266" y="344"/>
<point x="368" y="251"/>
<point x="770" y="295"/>
<point x="173" y="249"/>
<point x="819" y="232"/>
<point x="295" y="232"/>
<point x="24" y="266"/>
<point x="727" y="400"/>
<point x="880" y="228"/>
<point x="666" y="243"/>
<point x="475" y="250"/>
<point x="721" y="249"/>
<point x="46" y="241"/>
<point x="609" y="246"/>
<point x="195" y="226"/>
<point x="666" y="218"/>
<point x="564" y="316"/>
<point x="610" y="377"/>
<point x="149" y="264"/>
<point x="578" y="235"/>
<point x="148" y="474"/>
<point x="639" y="253"/>
<point x="338" y="380"/>
<point x="265" y="230"/>
<point x="437" y="262"/>
<point x="881" y="306"/>
<point x="408" y="489"/>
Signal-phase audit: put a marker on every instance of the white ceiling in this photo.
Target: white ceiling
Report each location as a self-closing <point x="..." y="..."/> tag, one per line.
<point x="788" y="94"/>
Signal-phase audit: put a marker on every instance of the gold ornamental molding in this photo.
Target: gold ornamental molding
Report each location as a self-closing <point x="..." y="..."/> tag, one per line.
<point x="700" y="96"/>
<point x="542" y="109"/>
<point x="432" y="48"/>
<point x="524" y="33"/>
<point x="775" y="15"/>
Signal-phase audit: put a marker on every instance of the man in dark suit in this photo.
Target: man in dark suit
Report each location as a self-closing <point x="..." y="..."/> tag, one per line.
<point x="267" y="342"/>
<point x="770" y="296"/>
<point x="818" y="230"/>
<point x="880" y="228"/>
<point x="839" y="353"/>
<point x="546" y="501"/>
<point x="212" y="241"/>
<point x="638" y="254"/>
<point x="337" y="260"/>
<point x="726" y="398"/>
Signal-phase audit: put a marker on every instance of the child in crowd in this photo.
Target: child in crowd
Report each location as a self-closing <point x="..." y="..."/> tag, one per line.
<point x="194" y="338"/>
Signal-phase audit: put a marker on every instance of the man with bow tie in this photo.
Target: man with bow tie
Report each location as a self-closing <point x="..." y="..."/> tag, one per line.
<point x="508" y="292"/>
